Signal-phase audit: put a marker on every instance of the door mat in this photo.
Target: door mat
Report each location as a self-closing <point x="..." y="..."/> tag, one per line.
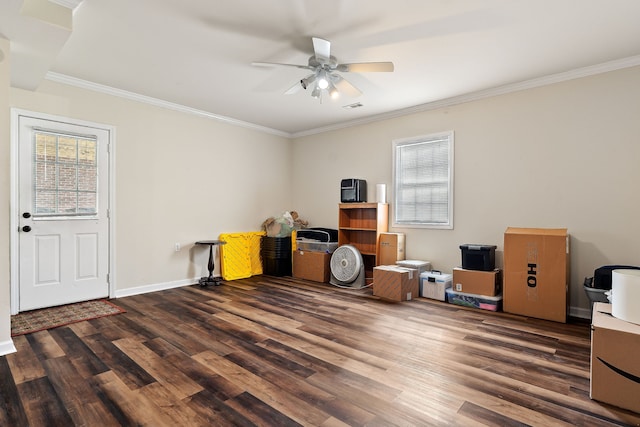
<point x="54" y="317"/>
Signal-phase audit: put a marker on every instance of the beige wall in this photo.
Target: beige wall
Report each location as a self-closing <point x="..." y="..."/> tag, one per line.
<point x="563" y="155"/>
<point x="5" y="322"/>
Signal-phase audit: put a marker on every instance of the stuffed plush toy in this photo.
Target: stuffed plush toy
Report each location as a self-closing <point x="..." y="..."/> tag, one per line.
<point x="298" y="222"/>
<point x="284" y="224"/>
<point x="271" y="227"/>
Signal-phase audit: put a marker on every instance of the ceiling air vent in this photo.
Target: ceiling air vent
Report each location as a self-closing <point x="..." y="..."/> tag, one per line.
<point x="352" y="106"/>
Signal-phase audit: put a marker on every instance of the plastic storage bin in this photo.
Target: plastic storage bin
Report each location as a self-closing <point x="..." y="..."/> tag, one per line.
<point x="316" y="246"/>
<point x="478" y="257"/>
<point x="596" y="295"/>
<point x="276" y="255"/>
<point x="434" y="283"/>
<point x="473" y="300"/>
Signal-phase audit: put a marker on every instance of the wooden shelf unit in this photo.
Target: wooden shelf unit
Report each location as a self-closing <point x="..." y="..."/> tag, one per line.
<point x="360" y="225"/>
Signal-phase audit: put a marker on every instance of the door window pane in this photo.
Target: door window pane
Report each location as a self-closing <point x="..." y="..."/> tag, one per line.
<point x="67" y="177"/>
<point x="66" y="174"/>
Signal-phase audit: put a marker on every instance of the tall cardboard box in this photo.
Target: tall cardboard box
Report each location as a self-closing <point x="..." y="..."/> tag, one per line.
<point x="615" y="372"/>
<point x="395" y="283"/>
<point x="391" y="248"/>
<point x="311" y="265"/>
<point x="536" y="272"/>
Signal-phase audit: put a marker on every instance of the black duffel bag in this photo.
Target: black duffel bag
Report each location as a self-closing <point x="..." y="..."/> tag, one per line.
<point x="602" y="275"/>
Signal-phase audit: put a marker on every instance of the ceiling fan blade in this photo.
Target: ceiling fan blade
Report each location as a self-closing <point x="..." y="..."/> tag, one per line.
<point x="366" y="67"/>
<point x="322" y="49"/>
<point x="273" y="64"/>
<point x="345" y="87"/>
<point x="293" y="89"/>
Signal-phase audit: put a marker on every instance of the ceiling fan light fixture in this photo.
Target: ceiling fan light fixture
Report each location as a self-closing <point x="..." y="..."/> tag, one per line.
<point x="323" y="81"/>
<point x="307" y="81"/>
<point x="316" y="92"/>
<point x="333" y="91"/>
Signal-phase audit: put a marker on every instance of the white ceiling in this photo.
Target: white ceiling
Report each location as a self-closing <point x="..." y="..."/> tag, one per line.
<point x="198" y="53"/>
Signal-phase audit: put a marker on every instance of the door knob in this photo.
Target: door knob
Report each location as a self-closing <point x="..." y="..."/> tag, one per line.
<point x="26" y="228"/>
<point x="26" y="215"/>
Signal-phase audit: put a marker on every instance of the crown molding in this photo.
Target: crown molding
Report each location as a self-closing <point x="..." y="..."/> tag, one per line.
<point x="605" y="67"/>
<point x="69" y="4"/>
<point x="84" y="84"/>
<point x="443" y="103"/>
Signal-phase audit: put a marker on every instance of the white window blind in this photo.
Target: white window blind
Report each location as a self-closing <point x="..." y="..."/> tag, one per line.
<point x="65" y="174"/>
<point x="423" y="181"/>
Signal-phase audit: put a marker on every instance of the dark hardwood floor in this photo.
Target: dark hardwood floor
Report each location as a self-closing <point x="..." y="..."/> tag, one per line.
<point x="283" y="352"/>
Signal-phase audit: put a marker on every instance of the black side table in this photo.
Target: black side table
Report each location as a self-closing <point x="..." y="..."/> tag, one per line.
<point x="204" y="281"/>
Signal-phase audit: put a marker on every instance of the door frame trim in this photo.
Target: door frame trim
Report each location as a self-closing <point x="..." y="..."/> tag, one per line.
<point x="14" y="220"/>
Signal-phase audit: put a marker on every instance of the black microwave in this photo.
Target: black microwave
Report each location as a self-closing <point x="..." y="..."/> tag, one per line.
<point x="353" y="190"/>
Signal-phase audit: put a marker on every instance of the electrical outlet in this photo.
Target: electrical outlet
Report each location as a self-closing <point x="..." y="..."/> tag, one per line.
<point x="177" y="247"/>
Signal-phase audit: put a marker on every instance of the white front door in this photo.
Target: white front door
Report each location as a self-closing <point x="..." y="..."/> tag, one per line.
<point x="63" y="225"/>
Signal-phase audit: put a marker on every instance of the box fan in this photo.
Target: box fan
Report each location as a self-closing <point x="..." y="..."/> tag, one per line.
<point x="347" y="267"/>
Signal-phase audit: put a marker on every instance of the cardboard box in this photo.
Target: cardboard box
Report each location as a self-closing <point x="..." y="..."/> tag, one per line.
<point x="536" y="272"/>
<point x="311" y="265"/>
<point x="488" y="283"/>
<point x="433" y="284"/>
<point x="391" y="248"/>
<point x="615" y="372"/>
<point x="395" y="283"/>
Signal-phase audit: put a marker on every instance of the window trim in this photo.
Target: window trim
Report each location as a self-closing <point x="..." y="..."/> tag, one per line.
<point x="397" y="143"/>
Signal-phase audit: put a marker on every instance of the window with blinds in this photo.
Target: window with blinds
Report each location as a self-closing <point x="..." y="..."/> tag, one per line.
<point x="66" y="174"/>
<point x="423" y="181"/>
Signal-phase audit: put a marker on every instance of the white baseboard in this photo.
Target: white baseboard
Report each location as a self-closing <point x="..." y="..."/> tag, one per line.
<point x="579" y="312"/>
<point x="7" y="347"/>
<point x="145" y="289"/>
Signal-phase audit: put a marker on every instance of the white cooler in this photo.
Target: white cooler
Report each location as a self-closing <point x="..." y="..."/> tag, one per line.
<point x="433" y="284"/>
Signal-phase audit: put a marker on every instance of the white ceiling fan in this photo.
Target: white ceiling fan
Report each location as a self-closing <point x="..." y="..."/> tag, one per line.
<point x="324" y="67"/>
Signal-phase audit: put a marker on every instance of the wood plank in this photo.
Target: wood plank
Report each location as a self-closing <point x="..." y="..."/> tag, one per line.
<point x="132" y="374"/>
<point x="487" y="416"/>
<point x="42" y="405"/>
<point x="76" y="394"/>
<point x="84" y="360"/>
<point x="277" y="370"/>
<point x="174" y="412"/>
<point x="258" y="412"/>
<point x="217" y="412"/>
<point x="12" y="412"/>
<point x="131" y="407"/>
<point x="335" y="375"/>
<point x="290" y="405"/>
<point x="25" y="365"/>
<point x="82" y="329"/>
<point x="168" y="375"/>
<point x="216" y="385"/>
